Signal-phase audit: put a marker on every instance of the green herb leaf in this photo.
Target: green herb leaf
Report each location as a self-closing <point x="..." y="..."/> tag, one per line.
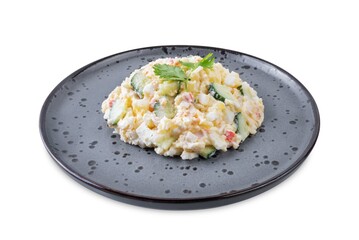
<point x="190" y="65"/>
<point x="171" y="73"/>
<point x="206" y="62"/>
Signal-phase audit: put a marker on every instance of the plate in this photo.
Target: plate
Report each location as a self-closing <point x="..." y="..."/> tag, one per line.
<point x="77" y="138"/>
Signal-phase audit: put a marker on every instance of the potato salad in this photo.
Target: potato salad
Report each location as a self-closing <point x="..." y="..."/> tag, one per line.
<point x="189" y="107"/>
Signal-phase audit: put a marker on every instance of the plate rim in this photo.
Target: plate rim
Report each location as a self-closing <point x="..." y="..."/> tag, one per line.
<point x="252" y="189"/>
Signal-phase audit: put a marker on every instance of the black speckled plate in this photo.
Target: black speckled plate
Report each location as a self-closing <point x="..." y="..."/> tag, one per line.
<point x="76" y="136"/>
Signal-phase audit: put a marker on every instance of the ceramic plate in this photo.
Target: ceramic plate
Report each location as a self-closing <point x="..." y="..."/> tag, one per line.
<point x="77" y="138"/>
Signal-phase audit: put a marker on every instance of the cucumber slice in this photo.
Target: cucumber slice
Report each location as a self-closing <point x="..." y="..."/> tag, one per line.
<point x="138" y="82"/>
<point x="170" y="88"/>
<point x="117" y="112"/>
<point x="221" y="92"/>
<point x="242" y="128"/>
<point x="240" y="88"/>
<point x="166" y="142"/>
<point x="207" y="152"/>
<point x="167" y="109"/>
<point x="246" y="90"/>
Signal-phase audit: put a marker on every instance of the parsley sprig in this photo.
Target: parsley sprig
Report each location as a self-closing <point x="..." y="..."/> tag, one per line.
<point x="175" y="73"/>
<point x="171" y="73"/>
<point x="206" y="62"/>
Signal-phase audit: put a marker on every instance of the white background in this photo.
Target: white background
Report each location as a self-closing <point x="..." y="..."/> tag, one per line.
<point x="44" y="41"/>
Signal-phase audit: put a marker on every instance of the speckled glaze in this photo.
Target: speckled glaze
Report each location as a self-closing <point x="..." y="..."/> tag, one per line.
<point x="76" y="136"/>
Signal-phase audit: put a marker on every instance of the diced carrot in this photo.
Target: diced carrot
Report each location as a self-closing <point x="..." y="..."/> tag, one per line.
<point x="229" y="135"/>
<point x="110" y="103"/>
<point x="188" y="97"/>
